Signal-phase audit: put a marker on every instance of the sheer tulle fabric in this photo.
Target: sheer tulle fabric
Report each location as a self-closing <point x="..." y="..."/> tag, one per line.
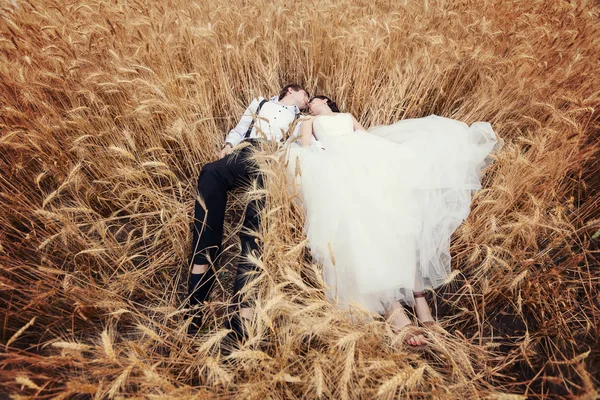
<point x="381" y="205"/>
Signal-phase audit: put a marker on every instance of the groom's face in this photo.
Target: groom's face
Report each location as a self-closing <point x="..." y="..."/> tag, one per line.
<point x="300" y="97"/>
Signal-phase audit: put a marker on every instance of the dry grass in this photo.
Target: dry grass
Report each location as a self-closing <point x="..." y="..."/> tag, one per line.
<point x="108" y="110"/>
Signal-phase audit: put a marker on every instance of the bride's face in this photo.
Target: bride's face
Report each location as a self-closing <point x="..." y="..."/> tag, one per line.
<point x="317" y="106"/>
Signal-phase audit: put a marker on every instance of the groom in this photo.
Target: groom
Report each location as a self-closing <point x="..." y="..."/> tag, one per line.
<point x="262" y="120"/>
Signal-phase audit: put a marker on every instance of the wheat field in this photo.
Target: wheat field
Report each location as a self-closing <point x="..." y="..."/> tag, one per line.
<point x="109" y="109"/>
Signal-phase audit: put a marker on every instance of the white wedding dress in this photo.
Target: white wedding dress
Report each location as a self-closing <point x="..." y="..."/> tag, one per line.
<point x="381" y="205"/>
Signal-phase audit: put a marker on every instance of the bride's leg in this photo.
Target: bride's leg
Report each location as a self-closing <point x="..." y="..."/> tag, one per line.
<point x="400" y="320"/>
<point x="422" y="309"/>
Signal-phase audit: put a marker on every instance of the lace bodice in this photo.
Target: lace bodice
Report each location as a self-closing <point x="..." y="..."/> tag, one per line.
<point x="332" y="125"/>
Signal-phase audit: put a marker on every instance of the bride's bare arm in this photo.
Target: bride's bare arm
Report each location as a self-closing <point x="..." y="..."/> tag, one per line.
<point x="306" y="132"/>
<point x="357" y="125"/>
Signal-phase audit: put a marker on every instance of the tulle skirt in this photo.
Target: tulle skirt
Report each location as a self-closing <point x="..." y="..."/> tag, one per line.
<point x="381" y="205"/>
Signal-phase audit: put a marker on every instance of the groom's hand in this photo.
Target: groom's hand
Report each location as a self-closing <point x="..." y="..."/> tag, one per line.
<point x="227" y="149"/>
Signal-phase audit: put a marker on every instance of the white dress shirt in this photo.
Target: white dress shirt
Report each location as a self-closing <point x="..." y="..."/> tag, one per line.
<point x="272" y="122"/>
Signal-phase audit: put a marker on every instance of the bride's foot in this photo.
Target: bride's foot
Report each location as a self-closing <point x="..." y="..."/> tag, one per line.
<point x="399" y="322"/>
<point x="422" y="310"/>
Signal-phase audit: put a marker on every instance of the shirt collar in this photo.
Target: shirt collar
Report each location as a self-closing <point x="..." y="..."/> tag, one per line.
<point x="295" y="109"/>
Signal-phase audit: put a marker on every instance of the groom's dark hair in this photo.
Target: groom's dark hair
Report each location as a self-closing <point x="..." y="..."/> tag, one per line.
<point x="294" y="87"/>
<point x="330" y="103"/>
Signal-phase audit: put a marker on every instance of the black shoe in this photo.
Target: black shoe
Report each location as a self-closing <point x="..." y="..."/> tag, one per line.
<point x="199" y="288"/>
<point x="197" y="323"/>
<point x="239" y="333"/>
<point x="229" y="344"/>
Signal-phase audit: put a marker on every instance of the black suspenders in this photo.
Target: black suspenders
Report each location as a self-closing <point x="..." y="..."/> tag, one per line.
<point x="249" y="131"/>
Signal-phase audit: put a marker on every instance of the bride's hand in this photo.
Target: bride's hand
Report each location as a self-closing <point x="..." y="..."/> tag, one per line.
<point x="306" y="131"/>
<point x="357" y="125"/>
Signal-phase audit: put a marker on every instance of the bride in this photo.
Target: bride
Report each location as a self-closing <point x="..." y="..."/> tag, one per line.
<point x="382" y="204"/>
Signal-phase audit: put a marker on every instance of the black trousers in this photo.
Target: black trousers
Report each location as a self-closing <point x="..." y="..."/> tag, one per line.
<point x="216" y="179"/>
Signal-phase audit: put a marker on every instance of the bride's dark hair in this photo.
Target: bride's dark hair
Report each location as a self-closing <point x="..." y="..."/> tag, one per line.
<point x="330" y="103"/>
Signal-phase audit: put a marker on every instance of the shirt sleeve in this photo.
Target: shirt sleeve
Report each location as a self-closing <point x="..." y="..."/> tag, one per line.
<point x="236" y="135"/>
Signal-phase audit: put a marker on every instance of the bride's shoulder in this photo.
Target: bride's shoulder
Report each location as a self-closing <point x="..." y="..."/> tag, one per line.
<point x="349" y="116"/>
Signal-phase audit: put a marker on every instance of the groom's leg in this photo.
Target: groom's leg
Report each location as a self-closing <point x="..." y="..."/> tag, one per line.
<point x="249" y="243"/>
<point x="215" y="180"/>
<point x="246" y="269"/>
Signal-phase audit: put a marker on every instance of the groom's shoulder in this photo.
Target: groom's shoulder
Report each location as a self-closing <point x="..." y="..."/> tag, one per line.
<point x="261" y="99"/>
<point x="258" y="101"/>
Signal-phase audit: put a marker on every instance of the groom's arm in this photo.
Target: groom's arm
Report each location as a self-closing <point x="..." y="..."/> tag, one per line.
<point x="236" y="135"/>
